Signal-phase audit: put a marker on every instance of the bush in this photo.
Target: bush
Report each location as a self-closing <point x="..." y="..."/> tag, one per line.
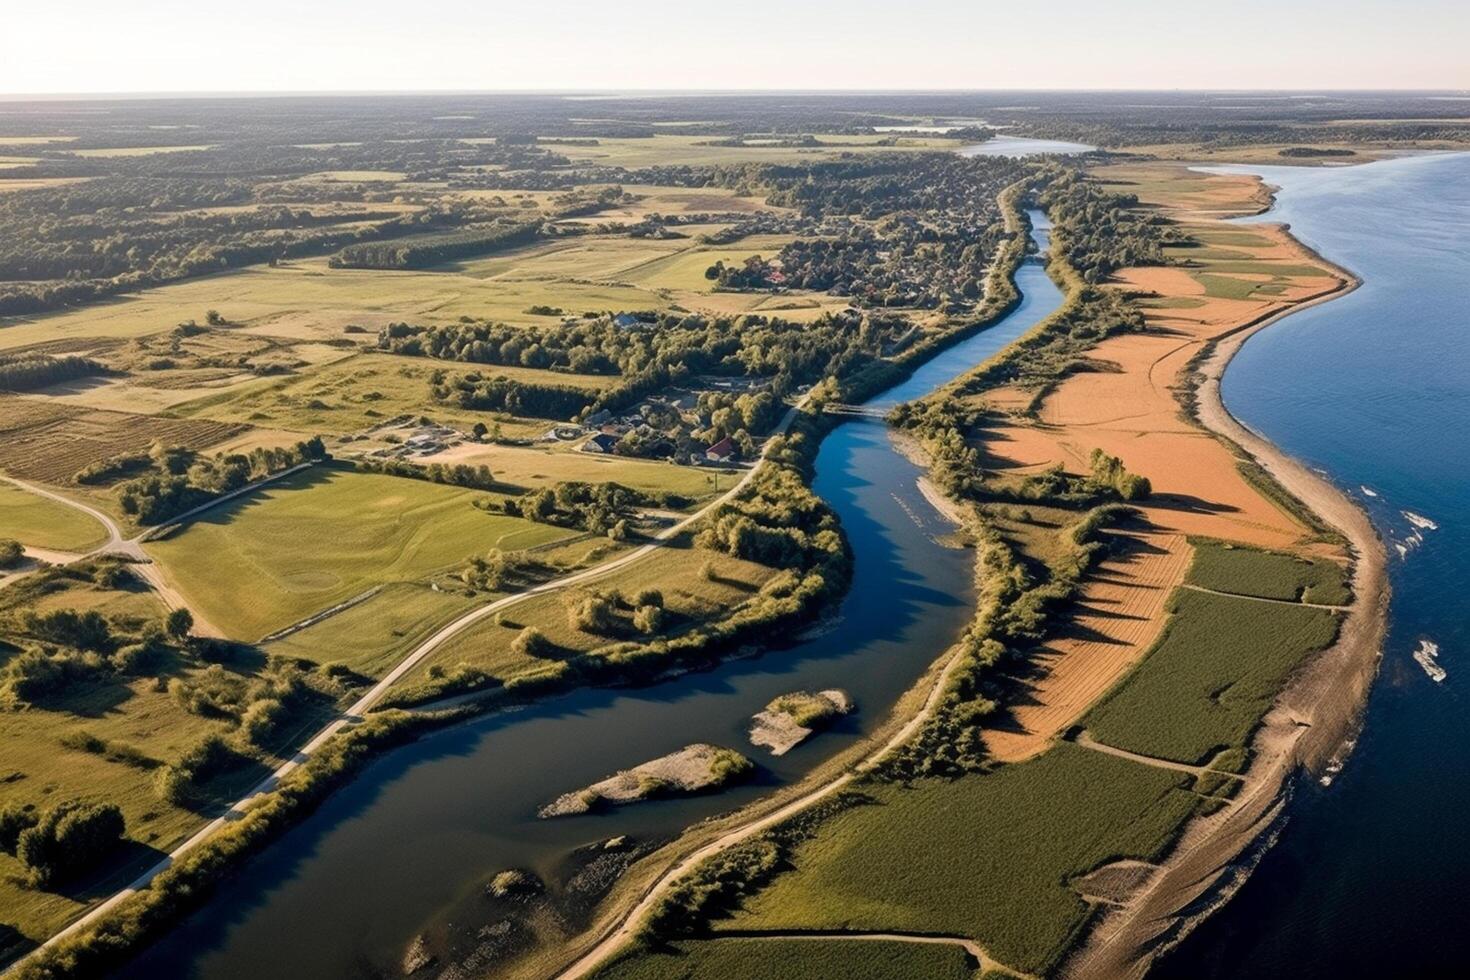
<point x="14" y="818"/>
<point x="10" y="553"/>
<point x="69" y="839"/>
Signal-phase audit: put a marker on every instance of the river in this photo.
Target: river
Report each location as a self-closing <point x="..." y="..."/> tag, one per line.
<point x="409" y="845"/>
<point x="1374" y="389"/>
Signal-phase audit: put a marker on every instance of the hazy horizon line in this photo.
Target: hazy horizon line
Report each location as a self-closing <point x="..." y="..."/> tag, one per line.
<point x="127" y="94"/>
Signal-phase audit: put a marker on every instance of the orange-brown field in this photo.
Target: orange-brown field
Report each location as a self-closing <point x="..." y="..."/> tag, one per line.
<point x="1128" y="406"/>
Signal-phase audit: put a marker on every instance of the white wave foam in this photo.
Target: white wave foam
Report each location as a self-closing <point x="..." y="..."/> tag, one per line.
<point x="1427" y="657"/>
<point x="1367" y="492"/>
<point x="1420" y="521"/>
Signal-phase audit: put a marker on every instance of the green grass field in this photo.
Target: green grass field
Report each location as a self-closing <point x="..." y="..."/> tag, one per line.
<point x="322" y="536"/>
<point x="1211" y="676"/>
<point x="792" y="959"/>
<point x="676" y="572"/>
<point x="529" y="467"/>
<point x="34" y="520"/>
<point x="140" y="723"/>
<point x="1247" y="571"/>
<point x="985" y="856"/>
<point x="374" y="635"/>
<point x="362" y="392"/>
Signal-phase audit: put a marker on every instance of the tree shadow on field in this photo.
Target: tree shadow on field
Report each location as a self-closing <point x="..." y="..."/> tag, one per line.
<point x="131" y="858"/>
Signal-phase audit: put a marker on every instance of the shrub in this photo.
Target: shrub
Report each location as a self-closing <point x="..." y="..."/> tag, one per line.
<point x="68" y="839"/>
<point x="10" y="553"/>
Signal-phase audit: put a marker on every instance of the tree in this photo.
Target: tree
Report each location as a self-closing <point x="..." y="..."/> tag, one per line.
<point x="178" y="624"/>
<point x="10" y="552"/>
<point x="68" y="839"/>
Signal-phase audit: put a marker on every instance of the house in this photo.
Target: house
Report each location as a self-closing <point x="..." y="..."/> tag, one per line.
<point x="626" y="321"/>
<point x="723" y="451"/>
<point x="600" y="443"/>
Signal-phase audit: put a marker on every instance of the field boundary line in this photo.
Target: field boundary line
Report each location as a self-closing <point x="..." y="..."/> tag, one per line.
<point x="354" y="713"/>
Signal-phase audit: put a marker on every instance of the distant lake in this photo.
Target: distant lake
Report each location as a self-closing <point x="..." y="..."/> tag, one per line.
<point x="1020" y="146"/>
<point x="1374" y="388"/>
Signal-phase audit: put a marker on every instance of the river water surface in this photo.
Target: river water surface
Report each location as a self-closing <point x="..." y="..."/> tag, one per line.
<point x="1374" y="388"/>
<point x="411" y="842"/>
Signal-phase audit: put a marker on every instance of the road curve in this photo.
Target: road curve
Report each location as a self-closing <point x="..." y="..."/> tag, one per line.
<point x="354" y="713"/>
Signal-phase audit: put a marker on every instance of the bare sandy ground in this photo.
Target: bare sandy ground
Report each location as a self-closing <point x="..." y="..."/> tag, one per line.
<point x="1307" y="728"/>
<point x="1129" y="407"/>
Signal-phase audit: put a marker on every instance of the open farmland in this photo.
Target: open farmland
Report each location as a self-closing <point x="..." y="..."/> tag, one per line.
<point x="1027" y="831"/>
<point x="324" y="535"/>
<point x="41" y="523"/>
<point x="794" y="959"/>
<point x="362" y="392"/>
<point x="45" y="441"/>
<point x="1212" y="675"/>
<point x="1268" y="575"/>
<point x="530" y="467"/>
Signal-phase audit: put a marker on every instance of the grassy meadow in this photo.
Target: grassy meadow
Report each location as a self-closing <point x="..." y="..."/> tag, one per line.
<point x="1268" y="575"/>
<point x="678" y="572"/>
<point x="324" y="535"/>
<point x="960" y="857"/>
<point x="41" y="523"/>
<point x="792" y="959"/>
<point x="362" y="392"/>
<point x="1210" y="677"/>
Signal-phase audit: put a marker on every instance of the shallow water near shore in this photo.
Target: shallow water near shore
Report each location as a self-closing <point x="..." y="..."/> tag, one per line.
<point x="409" y="844"/>
<point x="1374" y="389"/>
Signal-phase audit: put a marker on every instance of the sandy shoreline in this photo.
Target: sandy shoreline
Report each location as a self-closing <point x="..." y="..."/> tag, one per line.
<point x="1307" y="727"/>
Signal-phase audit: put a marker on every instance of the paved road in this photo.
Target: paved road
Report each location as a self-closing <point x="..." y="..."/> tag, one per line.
<point x="354" y="713"/>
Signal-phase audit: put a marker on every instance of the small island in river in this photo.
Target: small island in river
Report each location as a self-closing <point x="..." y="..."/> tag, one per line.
<point x="792" y="718"/>
<point x="693" y="769"/>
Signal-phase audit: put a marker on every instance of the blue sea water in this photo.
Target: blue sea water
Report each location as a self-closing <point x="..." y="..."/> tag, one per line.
<point x="1374" y="389"/>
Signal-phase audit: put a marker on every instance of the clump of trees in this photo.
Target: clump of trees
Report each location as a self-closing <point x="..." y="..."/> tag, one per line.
<point x="423" y="251"/>
<point x="62" y="842"/>
<point x="28" y="372"/>
<point x="180" y="479"/>
<point x="451" y="474"/>
<point x="11" y="552"/>
<point x="601" y="508"/>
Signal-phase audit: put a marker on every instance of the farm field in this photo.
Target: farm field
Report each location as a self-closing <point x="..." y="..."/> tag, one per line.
<point x="49" y="442"/>
<point x="361" y="392"/>
<point x="372" y="636"/>
<point x="1028" y="832"/>
<point x="1212" y="675"/>
<point x="1268" y="575"/>
<point x="42" y="523"/>
<point x="324" y="535"/>
<point x="526" y="467"/>
<point x="694" y="151"/>
<point x="793" y="959"/>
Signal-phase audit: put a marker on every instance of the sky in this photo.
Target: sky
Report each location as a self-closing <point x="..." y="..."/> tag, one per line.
<point x="138" y="46"/>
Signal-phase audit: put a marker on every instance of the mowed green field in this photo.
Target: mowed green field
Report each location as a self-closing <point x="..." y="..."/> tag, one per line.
<point x="372" y="636"/>
<point x="1210" y="677"/>
<point x="792" y="959"/>
<point x="324" y="535"/>
<point x="984" y="856"/>
<point x="1268" y="575"/>
<point x="42" y="523"/>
